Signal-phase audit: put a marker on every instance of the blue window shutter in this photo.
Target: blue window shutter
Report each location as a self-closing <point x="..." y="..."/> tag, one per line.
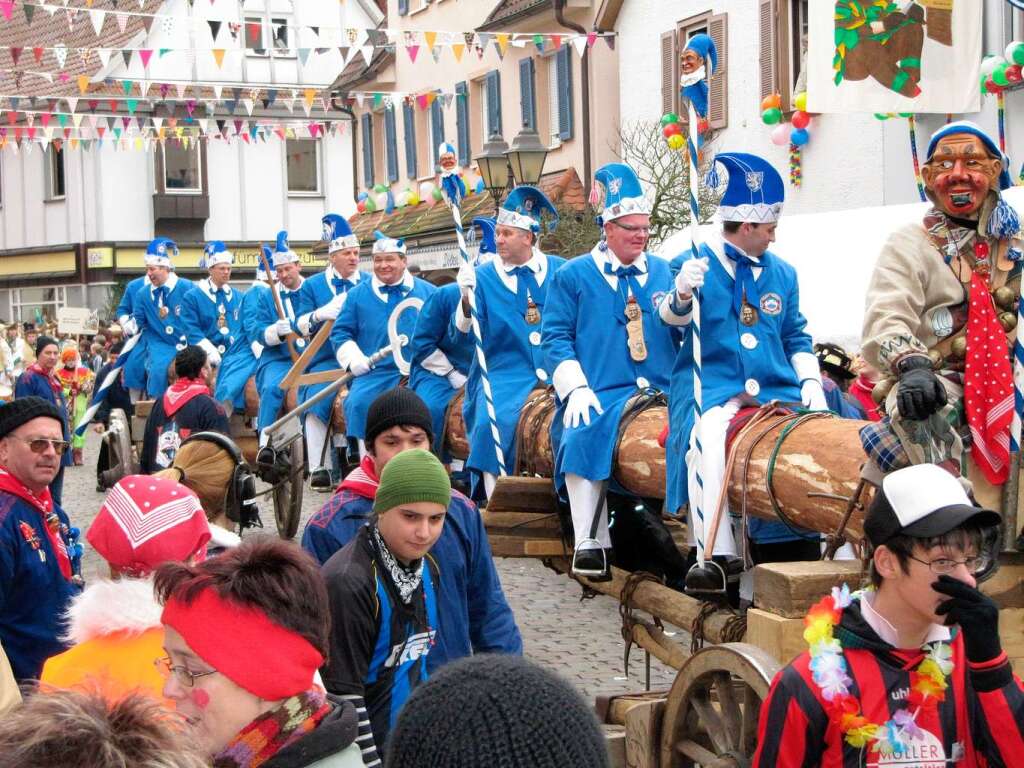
<point x="403" y="7"/>
<point x="527" y="97"/>
<point x="493" y="102"/>
<point x="462" y="121"/>
<point x="563" y="64"/>
<point x="409" y="117"/>
<point x="436" y="126"/>
<point x="368" y="150"/>
<point x="391" y="143"/>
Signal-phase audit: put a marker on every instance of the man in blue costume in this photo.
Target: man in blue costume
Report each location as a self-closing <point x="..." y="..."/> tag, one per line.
<point x="37" y="582"/>
<point x="441" y="356"/>
<point x="212" y="314"/>
<point x="158" y="313"/>
<point x="320" y="300"/>
<point x="475" y="616"/>
<point x="362" y="329"/>
<point x="135" y="368"/>
<point x="240" y="361"/>
<point x="753" y="346"/>
<point x="273" y="331"/>
<point x="604" y="343"/>
<point x="511" y="293"/>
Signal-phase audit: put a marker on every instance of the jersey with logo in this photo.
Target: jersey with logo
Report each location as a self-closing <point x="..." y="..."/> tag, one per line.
<point x="378" y="645"/>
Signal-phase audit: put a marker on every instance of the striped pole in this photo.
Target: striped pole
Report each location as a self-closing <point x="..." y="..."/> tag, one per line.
<point x="478" y="340"/>
<point x="104" y="388"/>
<point x="911" y="123"/>
<point x="696" y="504"/>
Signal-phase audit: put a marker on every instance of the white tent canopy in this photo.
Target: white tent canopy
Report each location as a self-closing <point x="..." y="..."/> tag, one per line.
<point x="834" y="254"/>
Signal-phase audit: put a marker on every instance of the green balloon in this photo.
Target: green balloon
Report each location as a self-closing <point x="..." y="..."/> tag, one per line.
<point x="370" y="205"/>
<point x="881" y="116"/>
<point x="380" y="188"/>
<point x="437" y="194"/>
<point x="1015" y="52"/>
<point x="906" y="114"/>
<point x="999" y="74"/>
<point x="771" y="116"/>
<point x="669" y="118"/>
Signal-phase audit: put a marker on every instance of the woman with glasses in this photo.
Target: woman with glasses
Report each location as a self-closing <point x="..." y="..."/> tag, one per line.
<point x="40" y="380"/>
<point x="36" y="576"/>
<point x="115" y="623"/>
<point x="244" y="634"/>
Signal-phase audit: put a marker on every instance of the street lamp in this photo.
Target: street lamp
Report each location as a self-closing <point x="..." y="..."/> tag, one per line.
<point x="492" y="163"/>
<point x="526" y="157"/>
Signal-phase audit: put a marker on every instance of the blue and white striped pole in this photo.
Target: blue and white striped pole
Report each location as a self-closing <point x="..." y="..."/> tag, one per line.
<point x="108" y="381"/>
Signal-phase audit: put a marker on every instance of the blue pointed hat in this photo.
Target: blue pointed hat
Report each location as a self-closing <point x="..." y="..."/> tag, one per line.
<point x="384" y="244"/>
<point x="755" y="192"/>
<point x="487" y="241"/>
<point x="621" y="192"/>
<point x="261" y="273"/>
<point x="283" y="253"/>
<point x="160" y="252"/>
<point x="704" y="46"/>
<point x="523" y="208"/>
<point x="338" y="233"/>
<point x="216" y="253"/>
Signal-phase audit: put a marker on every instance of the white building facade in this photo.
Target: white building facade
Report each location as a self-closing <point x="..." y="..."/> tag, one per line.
<point x="74" y="222"/>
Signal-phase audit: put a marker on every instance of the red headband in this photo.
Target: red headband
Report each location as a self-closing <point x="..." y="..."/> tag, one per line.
<point x="244" y="645"/>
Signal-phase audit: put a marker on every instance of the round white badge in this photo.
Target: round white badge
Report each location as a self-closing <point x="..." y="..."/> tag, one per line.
<point x="748" y="340"/>
<point x="225" y="330"/>
<point x="642" y="383"/>
<point x="535" y="338"/>
<point x="221" y="348"/>
<point x="541" y="374"/>
<point x="169" y="330"/>
<point x="752" y="387"/>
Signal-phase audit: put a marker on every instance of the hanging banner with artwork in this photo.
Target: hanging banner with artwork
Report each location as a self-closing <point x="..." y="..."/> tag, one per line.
<point x="894" y="56"/>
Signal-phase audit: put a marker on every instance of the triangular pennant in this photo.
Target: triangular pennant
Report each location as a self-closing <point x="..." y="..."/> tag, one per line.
<point x="37" y="54"/>
<point x="145" y="55"/>
<point x="303" y="55"/>
<point x="214" y="28"/>
<point x="104" y="54"/>
<point x="610" y="40"/>
<point x="97" y="18"/>
<point x="580" y="44"/>
<point x="502" y="40"/>
<point x="367" y="51"/>
<point x="60" y="52"/>
<point x="122" y="21"/>
<point x="218" y="56"/>
<point x="556" y="41"/>
<point x="6" y="8"/>
<point x="83" y="83"/>
<point x="15" y="54"/>
<point x="457" y="50"/>
<point x="30" y="11"/>
<point x="126" y="54"/>
<point x="429" y="38"/>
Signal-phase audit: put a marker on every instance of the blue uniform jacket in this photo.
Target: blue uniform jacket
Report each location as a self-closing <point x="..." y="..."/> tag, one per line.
<point x="735" y="358"/>
<point x="240" y="362"/>
<point x="201" y="311"/>
<point x="30" y="383"/>
<point x="33" y="593"/>
<point x="364" y="320"/>
<point x="163" y="333"/>
<point x="135" y="367"/>
<point x="585" y="321"/>
<point x="475" y="617"/>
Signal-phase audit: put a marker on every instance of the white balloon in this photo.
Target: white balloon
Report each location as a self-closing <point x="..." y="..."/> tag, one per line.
<point x="381" y="199"/>
<point x="426" y="188"/>
<point x="989" y="64"/>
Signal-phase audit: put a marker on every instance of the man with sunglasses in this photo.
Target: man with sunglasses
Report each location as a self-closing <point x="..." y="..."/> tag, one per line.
<point x="910" y="672"/>
<point x="36" y="579"/>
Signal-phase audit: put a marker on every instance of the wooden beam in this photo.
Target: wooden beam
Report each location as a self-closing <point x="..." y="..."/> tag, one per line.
<point x="521" y="523"/>
<point x="320" y="377"/>
<point x="517" y="546"/>
<point x="522" y="494"/>
<point x="300" y="365"/>
<point x="790" y="589"/>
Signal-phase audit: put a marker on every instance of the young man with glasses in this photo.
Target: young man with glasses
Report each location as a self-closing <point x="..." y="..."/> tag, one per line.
<point x="604" y="344"/>
<point x="911" y="671"/>
<point x="36" y="577"/>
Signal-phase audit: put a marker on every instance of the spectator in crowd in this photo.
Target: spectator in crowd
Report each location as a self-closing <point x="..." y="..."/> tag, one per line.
<point x="40" y="380"/>
<point x="863" y="387"/>
<point x="117" y="397"/>
<point x="77" y="381"/>
<point x="836" y="373"/>
<point x="186" y="406"/>
<point x="96" y="354"/>
<point x="114" y="625"/>
<point x="72" y="729"/>
<point x="496" y="711"/>
<point x="474" y="615"/>
<point x="36" y="579"/>
<point x="244" y="634"/>
<point x="383" y="589"/>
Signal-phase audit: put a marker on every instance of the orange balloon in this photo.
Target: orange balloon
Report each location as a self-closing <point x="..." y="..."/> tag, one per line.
<point x="773" y="101"/>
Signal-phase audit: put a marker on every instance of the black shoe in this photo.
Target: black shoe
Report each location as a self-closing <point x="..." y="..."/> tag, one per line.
<point x="320" y="480"/>
<point x="592" y="564"/>
<point x="272" y="466"/>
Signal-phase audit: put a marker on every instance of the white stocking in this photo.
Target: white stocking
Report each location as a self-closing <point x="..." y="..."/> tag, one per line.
<point x="583" y="497"/>
<point x="489" y="482"/>
<point x="316" y="439"/>
<point x="714" y="424"/>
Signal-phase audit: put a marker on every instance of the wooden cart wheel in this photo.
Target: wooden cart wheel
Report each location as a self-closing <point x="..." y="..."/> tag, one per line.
<point x="288" y="493"/>
<point x="714" y="705"/>
<point x="120" y="454"/>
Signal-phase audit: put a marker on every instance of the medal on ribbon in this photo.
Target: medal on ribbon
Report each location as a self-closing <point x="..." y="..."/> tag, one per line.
<point x="532" y="315"/>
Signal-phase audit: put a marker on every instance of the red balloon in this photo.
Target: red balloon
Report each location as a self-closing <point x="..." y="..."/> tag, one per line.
<point x="1013" y="73"/>
<point x="361" y="206"/>
<point x="992" y="87"/>
<point x="671" y="129"/>
<point x="800" y="119"/>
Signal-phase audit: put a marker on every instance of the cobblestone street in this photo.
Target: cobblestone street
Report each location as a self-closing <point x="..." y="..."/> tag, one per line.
<point x="580" y="640"/>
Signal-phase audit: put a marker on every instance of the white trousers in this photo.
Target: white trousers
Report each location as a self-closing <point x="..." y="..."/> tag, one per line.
<point x="583" y="498"/>
<point x="316" y="439"/>
<point x="489" y="482"/>
<point x="713" y="426"/>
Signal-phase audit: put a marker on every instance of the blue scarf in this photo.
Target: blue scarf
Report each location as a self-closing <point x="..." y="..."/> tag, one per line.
<point x="744" y="283"/>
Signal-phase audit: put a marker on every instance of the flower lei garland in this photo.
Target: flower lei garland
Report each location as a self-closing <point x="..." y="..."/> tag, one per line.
<point x="829" y="670"/>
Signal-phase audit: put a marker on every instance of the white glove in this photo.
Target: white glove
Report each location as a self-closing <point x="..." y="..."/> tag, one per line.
<point x="456" y="379"/>
<point x="282" y="328"/>
<point x="129" y="326"/>
<point x="466" y="278"/>
<point x="691" y="276"/>
<point x="577" y="409"/>
<point x="213" y="357"/>
<point x="360" y="364"/>
<point x="330" y="310"/>
<point x="813" y="396"/>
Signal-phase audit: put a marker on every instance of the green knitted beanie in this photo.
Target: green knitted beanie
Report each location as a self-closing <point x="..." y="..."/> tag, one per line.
<point x="412" y="476"/>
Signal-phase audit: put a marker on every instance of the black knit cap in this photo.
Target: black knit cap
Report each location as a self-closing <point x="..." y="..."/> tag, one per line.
<point x="397" y="407"/>
<point x="43" y="342"/>
<point x="496" y="711"/>
<point x="23" y="409"/>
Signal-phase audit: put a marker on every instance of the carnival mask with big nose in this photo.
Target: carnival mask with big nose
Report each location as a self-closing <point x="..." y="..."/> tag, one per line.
<point x="960" y="173"/>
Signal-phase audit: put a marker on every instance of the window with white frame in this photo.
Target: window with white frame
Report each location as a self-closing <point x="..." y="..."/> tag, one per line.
<point x="53" y="164"/>
<point x="269" y="28"/>
<point x="303" y="166"/>
<point x="35" y="305"/>
<point x="255" y="36"/>
<point x="183" y="168"/>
